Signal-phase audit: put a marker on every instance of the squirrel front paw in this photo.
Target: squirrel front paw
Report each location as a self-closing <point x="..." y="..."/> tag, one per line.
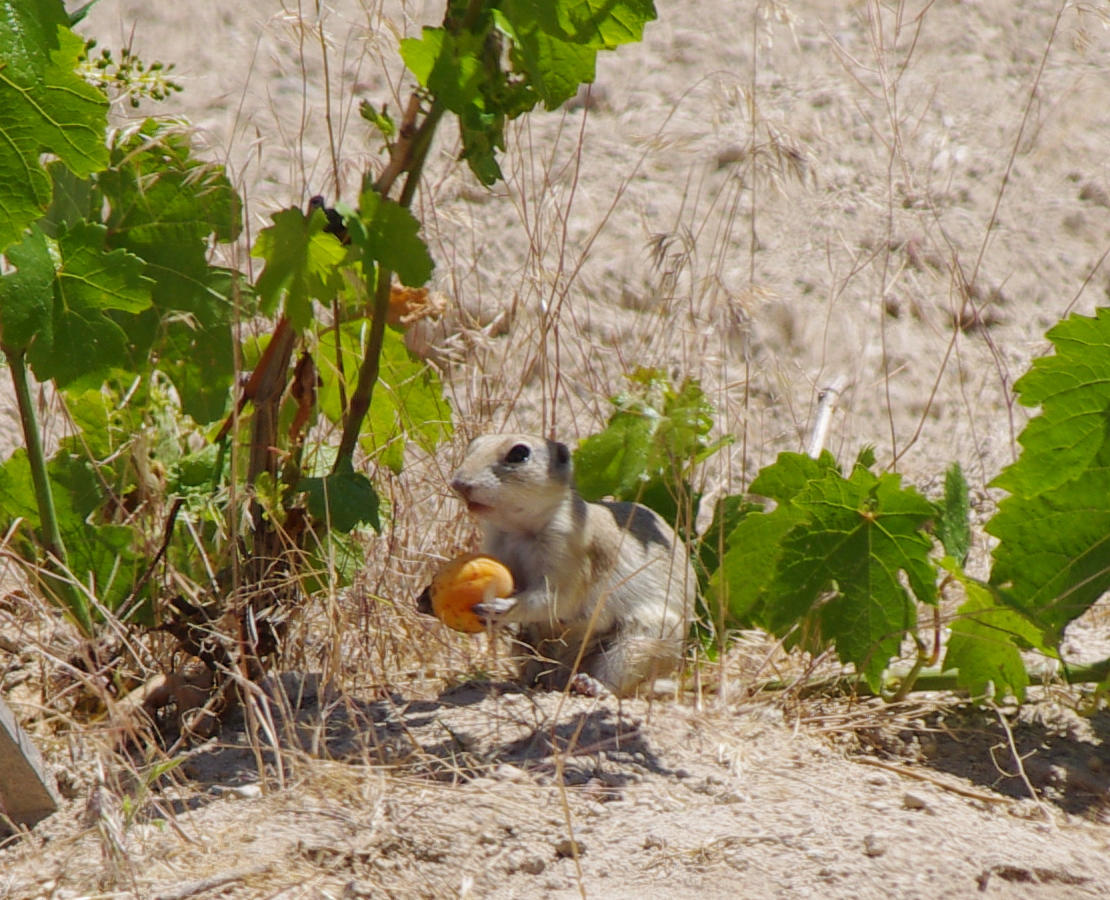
<point x="491" y="611"/>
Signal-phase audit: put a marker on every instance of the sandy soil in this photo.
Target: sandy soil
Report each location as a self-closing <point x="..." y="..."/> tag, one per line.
<point x="766" y="197"/>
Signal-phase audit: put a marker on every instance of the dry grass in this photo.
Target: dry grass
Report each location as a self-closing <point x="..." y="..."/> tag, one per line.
<point x="764" y="225"/>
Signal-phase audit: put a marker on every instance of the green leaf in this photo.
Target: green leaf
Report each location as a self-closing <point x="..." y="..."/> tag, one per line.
<point x="301" y="260"/>
<point x="712" y="543"/>
<point x="1072" y="387"/>
<point x="833" y="556"/>
<point x="164" y="205"/>
<point x="343" y="500"/>
<point x="331" y="563"/>
<point x="746" y="576"/>
<point x="196" y="473"/>
<point x="382" y="121"/>
<point x="556" y="44"/>
<point x="601" y="24"/>
<point x="860" y="534"/>
<point x="448" y="65"/>
<point x="408" y="399"/>
<point x="45" y="107"/>
<point x="1053" y="557"/>
<point x="201" y="364"/>
<point x="617" y="460"/>
<point x="89" y="283"/>
<point x="652" y="439"/>
<point x="790" y="473"/>
<point x="555" y="67"/>
<point x="17" y="493"/>
<point x="76" y="489"/>
<point x="985" y="642"/>
<point x="103" y="558"/>
<point x="27" y="295"/>
<point x="482" y="136"/>
<point x="78" y="15"/>
<point x="865" y="459"/>
<point x="463" y="72"/>
<point x="552" y="49"/>
<point x="74" y="200"/>
<point x="159" y="193"/>
<point x="388" y="234"/>
<point x="954" y="522"/>
<point x="95" y="414"/>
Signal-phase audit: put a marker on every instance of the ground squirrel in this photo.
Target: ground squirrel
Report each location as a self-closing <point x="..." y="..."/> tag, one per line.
<point x="608" y="580"/>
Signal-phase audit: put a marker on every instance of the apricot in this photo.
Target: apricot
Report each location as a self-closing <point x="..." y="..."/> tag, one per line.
<point x="455" y="588"/>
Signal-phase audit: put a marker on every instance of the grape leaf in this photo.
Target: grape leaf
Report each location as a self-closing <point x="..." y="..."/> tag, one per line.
<point x="91" y="278"/>
<point x="1072" y="387"/>
<point x="1053" y="557"/>
<point x="26" y="295"/>
<point x="728" y="512"/>
<point x="748" y="567"/>
<point x="860" y="533"/>
<point x="985" y="641"/>
<point x="753" y="547"/>
<point x="552" y="49"/>
<point x="790" y="473"/>
<point x="330" y="563"/>
<point x="17" y="492"/>
<point x="301" y="260"/>
<point x="75" y="488"/>
<point x="555" y="67"/>
<point x="103" y="558"/>
<point x="653" y="435"/>
<point x="342" y="499"/>
<point x="411" y="395"/>
<point x="382" y="121"/>
<point x="45" y="107"/>
<point x="88" y="283"/>
<point x="408" y="399"/>
<point x="388" y="234"/>
<point x="556" y="44"/>
<point x="617" y="460"/>
<point x="832" y="555"/>
<point x="448" y="65"/>
<point x="462" y="73"/>
<point x="163" y="206"/>
<point x="201" y="363"/>
<point x="601" y="24"/>
<point x="74" y="200"/>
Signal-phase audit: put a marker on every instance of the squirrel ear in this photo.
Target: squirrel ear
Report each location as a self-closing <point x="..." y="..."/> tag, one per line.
<point x="562" y="453"/>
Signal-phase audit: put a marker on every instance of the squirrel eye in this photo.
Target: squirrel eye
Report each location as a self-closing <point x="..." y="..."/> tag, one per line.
<point x="518" y="454"/>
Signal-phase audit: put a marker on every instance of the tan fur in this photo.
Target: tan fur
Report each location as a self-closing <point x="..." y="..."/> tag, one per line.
<point x="605" y="579"/>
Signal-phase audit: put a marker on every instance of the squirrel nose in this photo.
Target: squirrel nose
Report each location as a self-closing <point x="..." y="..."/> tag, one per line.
<point x="460" y="487"/>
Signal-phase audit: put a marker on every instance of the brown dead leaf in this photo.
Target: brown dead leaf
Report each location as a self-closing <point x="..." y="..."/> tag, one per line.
<point x="408" y="305"/>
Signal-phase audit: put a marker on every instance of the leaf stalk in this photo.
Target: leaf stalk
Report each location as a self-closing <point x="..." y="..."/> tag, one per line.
<point x="51" y="537"/>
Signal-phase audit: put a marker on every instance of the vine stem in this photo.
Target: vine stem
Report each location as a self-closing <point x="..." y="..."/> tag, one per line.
<point x="370" y="368"/>
<point x="44" y="496"/>
<point x="937" y="680"/>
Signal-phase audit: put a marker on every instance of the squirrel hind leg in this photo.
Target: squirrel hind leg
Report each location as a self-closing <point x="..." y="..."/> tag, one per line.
<point x="622" y="665"/>
<point x="626" y="663"/>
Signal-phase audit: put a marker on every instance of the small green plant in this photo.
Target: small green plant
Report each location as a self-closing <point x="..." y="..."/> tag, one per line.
<point x="654" y="439"/>
<point x="850" y="559"/>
